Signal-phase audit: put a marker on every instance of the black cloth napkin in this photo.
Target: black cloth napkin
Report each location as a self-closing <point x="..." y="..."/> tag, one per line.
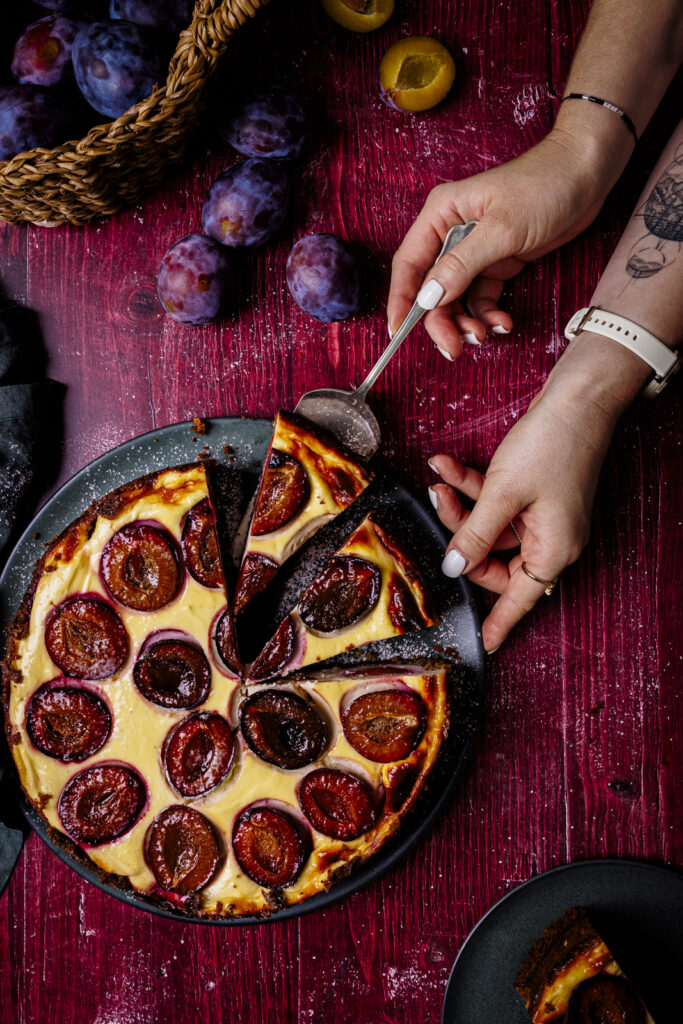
<point x="30" y="426"/>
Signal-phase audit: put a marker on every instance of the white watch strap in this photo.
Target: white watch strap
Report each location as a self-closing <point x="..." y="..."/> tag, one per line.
<point x="651" y="350"/>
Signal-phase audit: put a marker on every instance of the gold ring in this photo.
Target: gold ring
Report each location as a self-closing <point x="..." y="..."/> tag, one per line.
<point x="548" y="584"/>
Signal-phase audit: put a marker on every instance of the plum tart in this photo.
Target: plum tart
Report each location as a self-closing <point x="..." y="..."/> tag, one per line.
<point x="367" y="590"/>
<point x="306" y="481"/>
<point x="571" y="977"/>
<point x="150" y="757"/>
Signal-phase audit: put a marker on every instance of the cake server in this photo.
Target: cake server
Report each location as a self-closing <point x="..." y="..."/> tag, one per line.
<point x="346" y="414"/>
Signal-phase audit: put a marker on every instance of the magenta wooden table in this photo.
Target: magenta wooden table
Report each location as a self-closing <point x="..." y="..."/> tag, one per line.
<point x="581" y="751"/>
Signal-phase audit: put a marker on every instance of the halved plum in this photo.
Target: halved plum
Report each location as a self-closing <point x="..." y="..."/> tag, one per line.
<point x="226" y="642"/>
<point x="173" y="674"/>
<point x="346" y="590"/>
<point x="67" y="723"/>
<point x="86" y="638"/>
<point x="277" y="653"/>
<point x="200" y="546"/>
<point x="256" y="572"/>
<point x="284" y="491"/>
<point x="605" y="998"/>
<point x="100" y="803"/>
<point x="337" y="804"/>
<point x="140" y="567"/>
<point x="183" y="850"/>
<point x="198" y="753"/>
<point x="268" y="846"/>
<point x="385" y="725"/>
<point x="282" y="728"/>
<point x="403" y="608"/>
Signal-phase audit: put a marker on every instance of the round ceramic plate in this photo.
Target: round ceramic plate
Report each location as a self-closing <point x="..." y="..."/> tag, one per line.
<point x="636" y="907"/>
<point x="239" y="447"/>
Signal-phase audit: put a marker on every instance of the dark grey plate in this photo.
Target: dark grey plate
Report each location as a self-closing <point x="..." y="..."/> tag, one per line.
<point x="637" y="908"/>
<point x="239" y="446"/>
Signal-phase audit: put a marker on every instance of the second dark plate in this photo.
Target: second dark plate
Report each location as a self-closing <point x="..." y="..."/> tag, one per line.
<point x="239" y="446"/>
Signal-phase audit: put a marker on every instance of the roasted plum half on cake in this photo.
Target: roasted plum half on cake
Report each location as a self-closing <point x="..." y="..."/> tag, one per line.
<point x="306" y="481"/>
<point x="368" y="590"/>
<point x="282" y="728"/>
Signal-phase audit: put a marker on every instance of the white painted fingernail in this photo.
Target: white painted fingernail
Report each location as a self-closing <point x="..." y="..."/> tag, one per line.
<point x="453" y="564"/>
<point x="494" y="649"/>
<point x="429" y="294"/>
<point x="433" y="497"/>
<point x="433" y="467"/>
<point x="445" y="354"/>
<point x="499" y="329"/>
<point x="391" y="333"/>
<point x="471" y="339"/>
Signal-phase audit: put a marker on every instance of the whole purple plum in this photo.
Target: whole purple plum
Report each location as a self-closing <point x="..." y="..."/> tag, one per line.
<point x="116" y="64"/>
<point x="172" y="14"/>
<point x="323" y="278"/>
<point x="193" y="282"/>
<point x="247" y="204"/>
<point x="271" y="124"/>
<point x="42" y="55"/>
<point x="30" y="117"/>
<point x="60" y="5"/>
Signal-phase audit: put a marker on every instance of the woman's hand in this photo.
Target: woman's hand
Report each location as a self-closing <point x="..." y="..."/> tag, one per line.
<point x="542" y="478"/>
<point x="525" y="209"/>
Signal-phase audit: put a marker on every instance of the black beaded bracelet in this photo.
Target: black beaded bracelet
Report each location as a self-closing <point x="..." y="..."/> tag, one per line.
<point x="610" y="106"/>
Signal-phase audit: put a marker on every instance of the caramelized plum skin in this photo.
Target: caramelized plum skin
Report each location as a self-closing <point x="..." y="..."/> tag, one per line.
<point x="183" y="850"/>
<point x="256" y="573"/>
<point x="198" y="753"/>
<point x="42" y="55"/>
<point x="268" y="124"/>
<point x="385" y="725"/>
<point x="277" y="653"/>
<point x="403" y="609"/>
<point x="323" y="278"/>
<point x="346" y="590"/>
<point x="67" y="723"/>
<point x="117" y="63"/>
<point x="200" y="546"/>
<point x="337" y="804"/>
<point x="85" y="638"/>
<point x="194" y="283"/>
<point x="284" y="491"/>
<point x="247" y="204"/>
<point x="100" y="803"/>
<point x="605" y="999"/>
<point x="173" y="674"/>
<point x="30" y="117"/>
<point x="282" y="728"/>
<point x="268" y="847"/>
<point x="140" y="567"/>
<point x="226" y="642"/>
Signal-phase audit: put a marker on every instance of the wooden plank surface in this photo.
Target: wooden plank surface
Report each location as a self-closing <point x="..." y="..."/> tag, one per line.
<point x="557" y="775"/>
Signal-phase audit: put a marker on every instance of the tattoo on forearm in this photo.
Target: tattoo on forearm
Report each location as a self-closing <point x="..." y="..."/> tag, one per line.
<point x="662" y="214"/>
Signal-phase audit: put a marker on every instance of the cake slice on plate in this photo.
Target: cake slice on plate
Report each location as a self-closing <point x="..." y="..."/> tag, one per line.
<point x="367" y="590"/>
<point x="306" y="481"/>
<point x="571" y="977"/>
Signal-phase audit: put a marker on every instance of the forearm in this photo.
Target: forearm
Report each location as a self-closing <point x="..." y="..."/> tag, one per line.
<point x="629" y="52"/>
<point x="643" y="281"/>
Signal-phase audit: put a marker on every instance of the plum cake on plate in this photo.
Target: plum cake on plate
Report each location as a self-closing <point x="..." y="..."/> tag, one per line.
<point x="150" y="752"/>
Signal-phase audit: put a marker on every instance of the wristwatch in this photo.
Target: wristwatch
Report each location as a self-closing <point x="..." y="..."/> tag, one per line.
<point x="663" y="360"/>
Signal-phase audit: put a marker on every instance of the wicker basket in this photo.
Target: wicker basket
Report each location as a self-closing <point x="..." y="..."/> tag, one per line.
<point x="116" y="163"/>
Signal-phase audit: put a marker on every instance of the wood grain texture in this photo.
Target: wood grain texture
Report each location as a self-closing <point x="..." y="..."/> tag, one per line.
<point x="556" y="775"/>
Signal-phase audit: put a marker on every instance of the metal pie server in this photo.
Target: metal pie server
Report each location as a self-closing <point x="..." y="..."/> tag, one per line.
<point x="346" y="414"/>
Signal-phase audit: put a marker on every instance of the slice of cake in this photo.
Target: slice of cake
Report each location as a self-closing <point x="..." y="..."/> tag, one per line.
<point x="306" y="481"/>
<point x="367" y="590"/>
<point x="571" y="977"/>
